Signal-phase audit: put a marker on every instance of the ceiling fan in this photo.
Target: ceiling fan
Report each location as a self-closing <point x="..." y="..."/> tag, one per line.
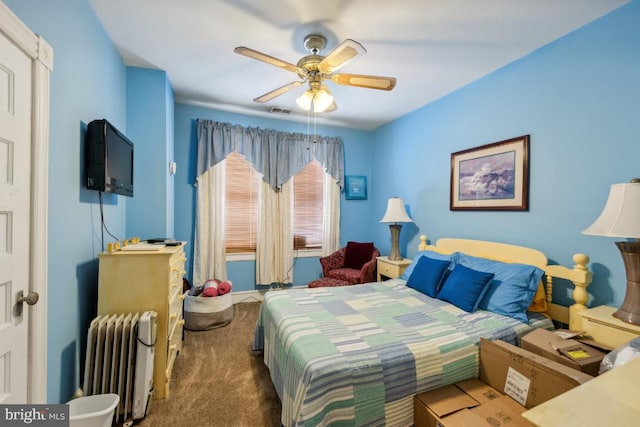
<point x="315" y="68"/>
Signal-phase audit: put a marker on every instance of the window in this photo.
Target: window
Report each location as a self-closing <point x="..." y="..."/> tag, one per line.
<point x="242" y="201"/>
<point x="241" y="204"/>
<point x="308" y="207"/>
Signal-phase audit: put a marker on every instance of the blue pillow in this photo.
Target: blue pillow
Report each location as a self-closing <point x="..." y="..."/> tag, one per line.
<point x="432" y="254"/>
<point x="513" y="286"/>
<point x="427" y="276"/>
<point x="465" y="287"/>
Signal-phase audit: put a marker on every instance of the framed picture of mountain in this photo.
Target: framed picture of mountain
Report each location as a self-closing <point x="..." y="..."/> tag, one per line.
<point x="491" y="177"/>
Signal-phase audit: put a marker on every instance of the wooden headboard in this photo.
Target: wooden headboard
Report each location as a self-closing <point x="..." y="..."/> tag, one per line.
<point x="579" y="275"/>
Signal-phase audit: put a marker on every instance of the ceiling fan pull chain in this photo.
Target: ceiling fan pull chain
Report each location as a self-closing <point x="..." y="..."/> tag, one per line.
<point x="315" y="132"/>
<point x="308" y="119"/>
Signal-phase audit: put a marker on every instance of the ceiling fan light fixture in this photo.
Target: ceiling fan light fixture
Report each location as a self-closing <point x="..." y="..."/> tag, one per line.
<point x="322" y="99"/>
<point x="304" y="101"/>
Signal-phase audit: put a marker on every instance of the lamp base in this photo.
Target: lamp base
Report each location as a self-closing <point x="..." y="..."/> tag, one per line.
<point x="395" y="242"/>
<point x="629" y="311"/>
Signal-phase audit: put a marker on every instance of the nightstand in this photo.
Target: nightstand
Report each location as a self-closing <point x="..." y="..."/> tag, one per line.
<point x="606" y="329"/>
<point x="391" y="269"/>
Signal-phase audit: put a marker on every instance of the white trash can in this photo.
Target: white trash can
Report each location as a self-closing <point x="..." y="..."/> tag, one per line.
<point x="93" y="411"/>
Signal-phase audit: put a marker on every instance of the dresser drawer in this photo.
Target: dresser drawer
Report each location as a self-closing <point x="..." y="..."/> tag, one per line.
<point x="175" y="308"/>
<point x="174" y="345"/>
<point x="391" y="268"/>
<point x="176" y="271"/>
<point x="387" y="270"/>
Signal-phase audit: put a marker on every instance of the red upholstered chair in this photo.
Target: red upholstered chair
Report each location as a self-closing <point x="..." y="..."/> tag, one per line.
<point x="355" y="263"/>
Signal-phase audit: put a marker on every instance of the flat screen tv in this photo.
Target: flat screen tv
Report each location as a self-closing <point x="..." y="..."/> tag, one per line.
<point x="108" y="159"/>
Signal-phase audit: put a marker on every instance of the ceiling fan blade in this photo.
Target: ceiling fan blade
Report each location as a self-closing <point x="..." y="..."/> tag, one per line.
<point x="342" y="54"/>
<point x="266" y="58"/>
<point x="277" y="92"/>
<point x="361" y="80"/>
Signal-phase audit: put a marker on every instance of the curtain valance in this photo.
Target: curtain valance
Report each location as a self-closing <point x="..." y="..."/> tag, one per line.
<point x="277" y="155"/>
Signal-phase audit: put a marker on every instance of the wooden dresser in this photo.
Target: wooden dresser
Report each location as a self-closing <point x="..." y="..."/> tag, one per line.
<point x="137" y="281"/>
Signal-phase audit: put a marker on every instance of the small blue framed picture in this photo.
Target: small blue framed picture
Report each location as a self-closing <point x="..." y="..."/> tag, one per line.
<point x="355" y="187"/>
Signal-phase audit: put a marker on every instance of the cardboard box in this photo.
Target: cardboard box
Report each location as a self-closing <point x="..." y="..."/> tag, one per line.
<point x="467" y="403"/>
<point x="504" y="411"/>
<point x="431" y="407"/>
<point x="569" y="352"/>
<point x="528" y="378"/>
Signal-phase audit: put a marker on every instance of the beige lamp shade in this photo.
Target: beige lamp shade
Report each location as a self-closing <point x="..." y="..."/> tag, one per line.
<point x="396" y="211"/>
<point x="621" y="215"/>
<point x="395" y="214"/>
<point x="621" y="218"/>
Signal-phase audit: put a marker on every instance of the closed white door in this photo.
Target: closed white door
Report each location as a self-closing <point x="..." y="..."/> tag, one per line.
<point x="15" y="219"/>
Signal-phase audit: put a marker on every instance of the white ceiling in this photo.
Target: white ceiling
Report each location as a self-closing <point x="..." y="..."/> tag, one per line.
<point x="432" y="47"/>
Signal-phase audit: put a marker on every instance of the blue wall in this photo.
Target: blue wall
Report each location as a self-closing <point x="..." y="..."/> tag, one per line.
<point x="149" y="104"/>
<point x="577" y="98"/>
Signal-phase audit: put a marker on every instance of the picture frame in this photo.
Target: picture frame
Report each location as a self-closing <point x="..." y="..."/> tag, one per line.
<point x="355" y="187"/>
<point x="491" y="177"/>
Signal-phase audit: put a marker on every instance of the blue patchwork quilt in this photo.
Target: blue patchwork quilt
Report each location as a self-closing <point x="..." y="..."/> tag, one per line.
<point x="356" y="355"/>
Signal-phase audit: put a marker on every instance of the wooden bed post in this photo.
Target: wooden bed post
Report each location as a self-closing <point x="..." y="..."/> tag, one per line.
<point x="580" y="296"/>
<point x="423" y="243"/>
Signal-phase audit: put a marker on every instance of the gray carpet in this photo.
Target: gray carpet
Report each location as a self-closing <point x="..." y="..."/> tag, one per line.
<point x="218" y="381"/>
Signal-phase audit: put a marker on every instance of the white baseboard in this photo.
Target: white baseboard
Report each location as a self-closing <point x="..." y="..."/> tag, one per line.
<point x="248" y="296"/>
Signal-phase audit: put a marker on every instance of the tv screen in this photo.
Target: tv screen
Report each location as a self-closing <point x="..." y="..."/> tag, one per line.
<point x="109" y="159"/>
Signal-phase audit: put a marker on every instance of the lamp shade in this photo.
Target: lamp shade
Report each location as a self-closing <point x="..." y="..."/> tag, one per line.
<point x="621" y="215"/>
<point x="396" y="211"/>
<point x="304" y="101"/>
<point x="321" y="99"/>
<point x="621" y="218"/>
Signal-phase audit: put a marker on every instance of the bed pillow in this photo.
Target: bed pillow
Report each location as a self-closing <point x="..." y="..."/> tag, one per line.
<point x="431" y="254"/>
<point x="539" y="302"/>
<point x="427" y="276"/>
<point x="465" y="287"/>
<point x="357" y="254"/>
<point x="512" y="289"/>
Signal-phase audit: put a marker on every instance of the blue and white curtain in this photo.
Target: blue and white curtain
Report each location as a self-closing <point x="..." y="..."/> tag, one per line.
<point x="277" y="156"/>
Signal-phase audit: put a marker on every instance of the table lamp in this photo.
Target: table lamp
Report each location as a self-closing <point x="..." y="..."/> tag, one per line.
<point x="395" y="214"/>
<point x="621" y="218"/>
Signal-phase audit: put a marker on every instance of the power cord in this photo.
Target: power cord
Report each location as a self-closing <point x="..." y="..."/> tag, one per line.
<point x="103" y="226"/>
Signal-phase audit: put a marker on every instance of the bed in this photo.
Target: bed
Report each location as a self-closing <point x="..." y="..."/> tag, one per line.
<point x="356" y="355"/>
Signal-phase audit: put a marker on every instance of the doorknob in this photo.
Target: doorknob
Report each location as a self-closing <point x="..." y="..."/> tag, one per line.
<point x="31" y="299"/>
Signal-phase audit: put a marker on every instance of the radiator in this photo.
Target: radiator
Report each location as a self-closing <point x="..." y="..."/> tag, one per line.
<point x="119" y="359"/>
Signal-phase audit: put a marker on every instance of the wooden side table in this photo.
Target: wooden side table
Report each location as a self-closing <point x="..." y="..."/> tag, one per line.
<point x="391" y="269"/>
<point x="606" y="329"/>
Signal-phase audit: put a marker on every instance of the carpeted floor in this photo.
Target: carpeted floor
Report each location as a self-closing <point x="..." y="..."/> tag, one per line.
<point x="218" y="381"/>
